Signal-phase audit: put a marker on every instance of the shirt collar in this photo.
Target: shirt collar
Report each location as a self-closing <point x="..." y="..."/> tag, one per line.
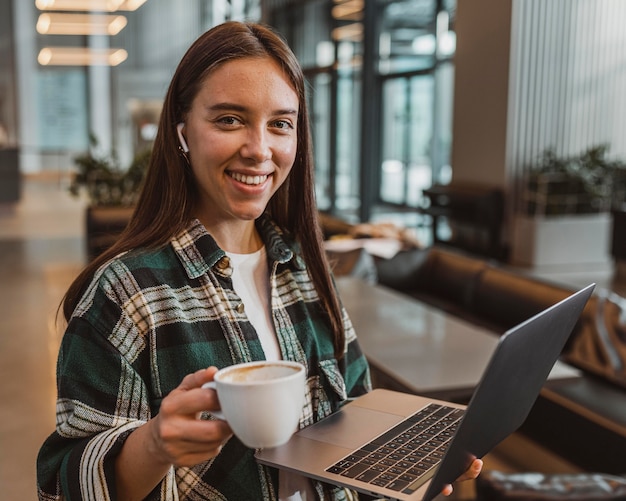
<point x="198" y="251"/>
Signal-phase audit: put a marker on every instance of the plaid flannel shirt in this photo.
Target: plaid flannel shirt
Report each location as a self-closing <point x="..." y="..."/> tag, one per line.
<point x="149" y="318"/>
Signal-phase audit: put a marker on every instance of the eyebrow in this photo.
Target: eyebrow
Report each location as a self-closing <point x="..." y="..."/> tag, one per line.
<point x="238" y="107"/>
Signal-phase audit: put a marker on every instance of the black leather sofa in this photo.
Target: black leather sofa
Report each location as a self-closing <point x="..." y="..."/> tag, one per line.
<point x="581" y="419"/>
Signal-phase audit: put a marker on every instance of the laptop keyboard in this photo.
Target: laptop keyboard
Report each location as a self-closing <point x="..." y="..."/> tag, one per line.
<point x="398" y="458"/>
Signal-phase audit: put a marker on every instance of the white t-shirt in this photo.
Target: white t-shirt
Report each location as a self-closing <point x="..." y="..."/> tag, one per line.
<point x="251" y="282"/>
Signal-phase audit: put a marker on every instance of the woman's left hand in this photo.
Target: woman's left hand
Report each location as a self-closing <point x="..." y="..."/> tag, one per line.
<point x="472" y="472"/>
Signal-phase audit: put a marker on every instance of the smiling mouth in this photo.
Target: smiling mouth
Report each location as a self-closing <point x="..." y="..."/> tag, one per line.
<point x="250" y="180"/>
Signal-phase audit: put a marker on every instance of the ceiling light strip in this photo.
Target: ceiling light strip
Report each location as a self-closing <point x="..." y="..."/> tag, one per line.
<point x="80" y="56"/>
<point x="80" y="24"/>
<point x="89" y="5"/>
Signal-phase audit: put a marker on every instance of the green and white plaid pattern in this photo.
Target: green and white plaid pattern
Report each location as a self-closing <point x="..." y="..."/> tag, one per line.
<point x="149" y="318"/>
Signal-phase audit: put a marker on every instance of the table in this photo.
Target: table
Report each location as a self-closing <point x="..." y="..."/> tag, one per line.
<point x="416" y="348"/>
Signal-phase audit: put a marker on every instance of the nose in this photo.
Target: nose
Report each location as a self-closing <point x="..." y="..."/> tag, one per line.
<point x="257" y="145"/>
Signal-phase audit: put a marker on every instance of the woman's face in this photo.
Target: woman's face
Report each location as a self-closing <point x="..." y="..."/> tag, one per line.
<point x="242" y="137"/>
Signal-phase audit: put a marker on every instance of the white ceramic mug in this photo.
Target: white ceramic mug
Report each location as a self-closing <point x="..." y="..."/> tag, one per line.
<point x="261" y="401"/>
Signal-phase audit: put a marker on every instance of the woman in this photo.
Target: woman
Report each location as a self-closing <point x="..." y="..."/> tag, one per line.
<point x="222" y="262"/>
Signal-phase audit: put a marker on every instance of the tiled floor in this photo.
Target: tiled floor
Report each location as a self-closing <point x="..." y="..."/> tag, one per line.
<point x="41" y="249"/>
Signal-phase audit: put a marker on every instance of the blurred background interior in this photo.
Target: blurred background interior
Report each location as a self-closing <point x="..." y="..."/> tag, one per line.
<point x="492" y="129"/>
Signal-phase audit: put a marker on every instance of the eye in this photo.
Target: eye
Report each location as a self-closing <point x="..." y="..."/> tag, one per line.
<point x="283" y="124"/>
<point x="228" y="121"/>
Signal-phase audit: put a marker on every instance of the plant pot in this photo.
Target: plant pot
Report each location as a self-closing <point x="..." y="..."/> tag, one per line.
<point x="103" y="226"/>
<point x="561" y="240"/>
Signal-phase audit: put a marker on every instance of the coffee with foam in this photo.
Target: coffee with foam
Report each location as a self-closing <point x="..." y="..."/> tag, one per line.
<point x="258" y="373"/>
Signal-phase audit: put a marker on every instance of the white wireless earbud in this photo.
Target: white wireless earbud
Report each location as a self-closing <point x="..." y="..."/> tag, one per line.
<point x="181" y="138"/>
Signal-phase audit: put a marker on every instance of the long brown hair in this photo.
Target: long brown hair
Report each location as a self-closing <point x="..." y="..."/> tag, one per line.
<point x="169" y="193"/>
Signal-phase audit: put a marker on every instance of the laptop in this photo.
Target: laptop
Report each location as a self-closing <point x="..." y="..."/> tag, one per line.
<point x="401" y="446"/>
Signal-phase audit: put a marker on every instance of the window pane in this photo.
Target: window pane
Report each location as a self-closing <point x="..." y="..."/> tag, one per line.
<point x="319" y="104"/>
<point x="348" y="134"/>
<point x="407" y="139"/>
<point x="394" y="140"/>
<point x="443" y="112"/>
<point x="407" y="40"/>
<point x="421" y="134"/>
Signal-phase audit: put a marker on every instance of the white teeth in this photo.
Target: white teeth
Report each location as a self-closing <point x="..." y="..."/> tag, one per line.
<point x="248" y="179"/>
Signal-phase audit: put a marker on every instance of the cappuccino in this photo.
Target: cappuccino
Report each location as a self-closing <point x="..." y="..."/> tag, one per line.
<point x="264" y="372"/>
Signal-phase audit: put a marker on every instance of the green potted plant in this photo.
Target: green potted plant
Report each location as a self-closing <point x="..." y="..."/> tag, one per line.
<point x="111" y="191"/>
<point x="580" y="184"/>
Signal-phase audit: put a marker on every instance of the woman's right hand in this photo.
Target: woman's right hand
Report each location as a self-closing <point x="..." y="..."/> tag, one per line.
<point x="177" y="436"/>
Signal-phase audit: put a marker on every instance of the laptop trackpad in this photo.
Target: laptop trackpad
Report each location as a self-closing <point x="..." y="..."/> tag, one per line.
<point x="351" y="427"/>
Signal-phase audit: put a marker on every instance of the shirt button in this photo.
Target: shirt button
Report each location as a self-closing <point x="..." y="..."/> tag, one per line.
<point x="223" y="263"/>
<point x="240" y="308"/>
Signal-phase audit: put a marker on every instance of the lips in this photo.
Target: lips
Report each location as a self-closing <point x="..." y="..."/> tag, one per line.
<point x="250" y="180"/>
